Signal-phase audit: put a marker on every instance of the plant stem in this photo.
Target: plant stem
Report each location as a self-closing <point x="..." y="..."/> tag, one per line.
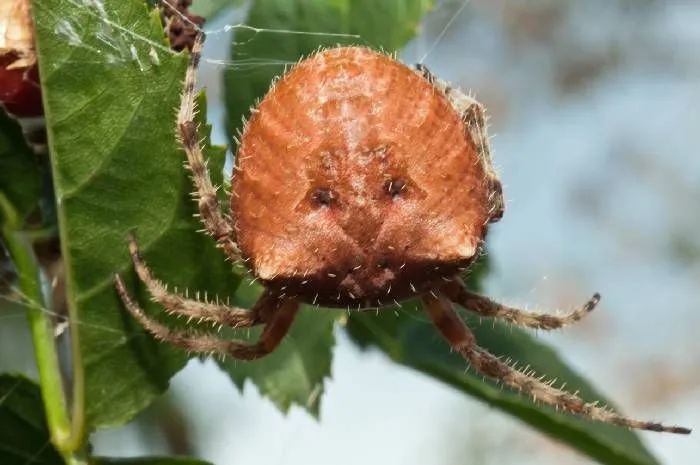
<point x="67" y="438"/>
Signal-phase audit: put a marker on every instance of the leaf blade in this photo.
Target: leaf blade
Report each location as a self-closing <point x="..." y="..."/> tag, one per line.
<point x="295" y="372"/>
<point x="417" y="345"/>
<point x="114" y="173"/>
<point x="24" y="434"/>
<point x="20" y="177"/>
<point x="212" y="8"/>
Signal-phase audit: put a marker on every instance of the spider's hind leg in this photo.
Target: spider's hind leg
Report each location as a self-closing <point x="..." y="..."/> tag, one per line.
<point x="457" y="292"/>
<point x="281" y="314"/>
<point x="453" y="328"/>
<point x="217" y="225"/>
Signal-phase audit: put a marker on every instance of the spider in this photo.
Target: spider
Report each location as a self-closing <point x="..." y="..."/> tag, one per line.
<point x="359" y="182"/>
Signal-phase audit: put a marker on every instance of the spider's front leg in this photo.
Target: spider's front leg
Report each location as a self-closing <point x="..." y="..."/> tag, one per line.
<point x="455" y="330"/>
<point x="473" y="115"/>
<point x="218" y="226"/>
<point x="179" y="305"/>
<point x="279" y="313"/>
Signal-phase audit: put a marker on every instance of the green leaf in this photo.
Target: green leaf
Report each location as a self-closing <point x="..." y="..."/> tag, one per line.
<point x="206" y="8"/>
<point x="410" y="339"/>
<point x="24" y="435"/>
<point x="283" y="31"/>
<point x="295" y="372"/>
<point x="210" y="8"/>
<point x="111" y="85"/>
<point x="20" y="178"/>
<point x="147" y="461"/>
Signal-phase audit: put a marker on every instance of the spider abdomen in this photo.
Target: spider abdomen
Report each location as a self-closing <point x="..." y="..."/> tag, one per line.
<point x="357" y="183"/>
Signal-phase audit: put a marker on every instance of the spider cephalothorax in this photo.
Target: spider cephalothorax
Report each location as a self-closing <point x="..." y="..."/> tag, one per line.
<point x="359" y="182"/>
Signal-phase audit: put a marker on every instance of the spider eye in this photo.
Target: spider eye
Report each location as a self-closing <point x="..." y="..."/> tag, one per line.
<point x="323" y="197"/>
<point x="394" y="187"/>
<point x="383" y="263"/>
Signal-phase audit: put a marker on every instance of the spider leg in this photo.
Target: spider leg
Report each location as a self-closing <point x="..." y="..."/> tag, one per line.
<point x="462" y="340"/>
<point x="176" y="304"/>
<point x="282" y="313"/>
<point x="456" y="291"/>
<point x="217" y="225"/>
<point x="475" y="121"/>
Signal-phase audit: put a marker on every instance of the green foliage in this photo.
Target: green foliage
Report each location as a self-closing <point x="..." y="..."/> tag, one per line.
<point x="408" y="339"/>
<point x="413" y="343"/>
<point x="295" y="372"/>
<point x="116" y="168"/>
<point x="20" y="178"/>
<point x="24" y="436"/>
<point x="211" y="8"/>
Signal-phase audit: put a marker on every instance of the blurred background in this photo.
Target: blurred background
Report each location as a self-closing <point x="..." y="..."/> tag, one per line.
<point x="594" y="112"/>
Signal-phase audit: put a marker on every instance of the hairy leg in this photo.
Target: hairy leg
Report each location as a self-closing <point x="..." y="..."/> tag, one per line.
<point x="456" y="291"/>
<point x="216" y="224"/>
<point x="475" y="122"/>
<point x="281" y="315"/>
<point x="462" y="340"/>
<point x="178" y="305"/>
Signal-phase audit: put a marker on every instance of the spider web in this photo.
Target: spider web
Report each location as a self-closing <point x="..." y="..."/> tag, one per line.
<point x="124" y="47"/>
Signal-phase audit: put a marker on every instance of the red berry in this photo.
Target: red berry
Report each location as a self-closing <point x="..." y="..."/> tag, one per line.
<point x="19" y="80"/>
